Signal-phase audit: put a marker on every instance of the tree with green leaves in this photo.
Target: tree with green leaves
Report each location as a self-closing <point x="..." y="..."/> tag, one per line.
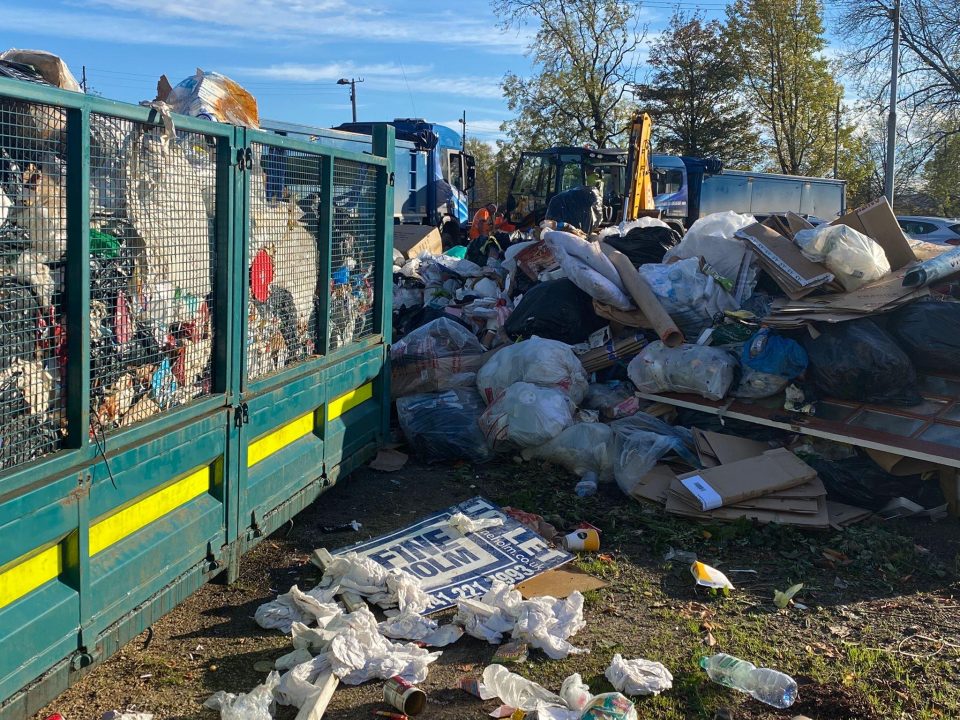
<point x="779" y="46"/>
<point x="585" y="56"/>
<point x="493" y="174"/>
<point x="693" y="95"/>
<point x="942" y="176"/>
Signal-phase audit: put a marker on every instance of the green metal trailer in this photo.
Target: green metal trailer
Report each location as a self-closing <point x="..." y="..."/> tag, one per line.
<point x="211" y="354"/>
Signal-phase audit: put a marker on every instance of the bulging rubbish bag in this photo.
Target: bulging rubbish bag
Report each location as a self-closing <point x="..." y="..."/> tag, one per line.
<point x="212" y="96"/>
<point x="690" y="297"/>
<point x="696" y="369"/>
<point x="590" y="270"/>
<point x="857" y="360"/>
<point x="556" y="310"/>
<point x="851" y="256"/>
<point x="581" y="448"/>
<point x="770" y="353"/>
<point x="443" y="426"/>
<point x="581" y="207"/>
<point x="641" y="440"/>
<point x="526" y="415"/>
<point x="547" y="363"/>
<point x="437" y="356"/>
<point x="929" y="332"/>
<point x="713" y="238"/>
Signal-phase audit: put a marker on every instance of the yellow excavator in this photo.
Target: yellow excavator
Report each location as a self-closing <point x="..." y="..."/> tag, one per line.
<point x="623" y="174"/>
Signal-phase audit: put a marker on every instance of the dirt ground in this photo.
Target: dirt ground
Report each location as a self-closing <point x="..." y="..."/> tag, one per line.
<point x="879" y="639"/>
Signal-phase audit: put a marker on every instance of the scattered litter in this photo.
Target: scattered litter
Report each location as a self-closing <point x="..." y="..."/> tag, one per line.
<point x="768" y="686"/>
<point x="117" y="715"/>
<point x="514" y="652"/>
<point x="403" y="696"/>
<point x="352" y="525"/>
<point x="588" y="540"/>
<point x="389" y="460"/>
<point x="710" y="577"/>
<point x="515" y="690"/>
<point x="638" y="677"/>
<point x="255" y="705"/>
<point x="466" y="525"/>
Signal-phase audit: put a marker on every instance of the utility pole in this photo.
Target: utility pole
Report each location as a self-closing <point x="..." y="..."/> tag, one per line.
<point x="463" y="153"/>
<point x="836" y="141"/>
<point x="352" y="82"/>
<point x="463" y="137"/>
<point x="892" y="117"/>
<point x="83" y="78"/>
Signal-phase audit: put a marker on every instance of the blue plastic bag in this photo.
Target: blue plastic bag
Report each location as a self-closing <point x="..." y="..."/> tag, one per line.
<point x="775" y="355"/>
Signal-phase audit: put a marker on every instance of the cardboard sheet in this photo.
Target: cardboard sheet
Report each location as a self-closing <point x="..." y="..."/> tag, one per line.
<point x="754" y="477"/>
<point x="843" y="515"/>
<point x="655" y="485"/>
<point x="413" y="240"/>
<point x="726" y="449"/>
<point x="782" y="260"/>
<point x="899" y="465"/>
<point x="820" y="519"/>
<point x="876" y="220"/>
<point x="560" y="583"/>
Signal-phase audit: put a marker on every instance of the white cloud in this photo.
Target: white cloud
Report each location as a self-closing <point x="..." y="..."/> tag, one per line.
<point x="96" y="26"/>
<point x="334" y="20"/>
<point x="385" y="77"/>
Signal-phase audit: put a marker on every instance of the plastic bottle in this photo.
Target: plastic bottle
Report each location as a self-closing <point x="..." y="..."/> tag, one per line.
<point x="587" y="485"/>
<point x="768" y="686"/>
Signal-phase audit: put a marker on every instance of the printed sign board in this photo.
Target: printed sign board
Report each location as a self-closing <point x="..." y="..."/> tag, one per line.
<point x="452" y="566"/>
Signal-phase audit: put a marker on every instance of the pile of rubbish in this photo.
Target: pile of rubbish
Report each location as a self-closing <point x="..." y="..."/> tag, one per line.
<point x="571" y="346"/>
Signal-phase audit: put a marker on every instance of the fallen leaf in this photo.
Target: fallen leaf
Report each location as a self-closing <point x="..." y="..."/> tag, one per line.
<point x="710" y="640"/>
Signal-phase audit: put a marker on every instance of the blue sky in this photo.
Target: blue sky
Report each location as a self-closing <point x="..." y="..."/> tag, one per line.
<point x="427" y="58"/>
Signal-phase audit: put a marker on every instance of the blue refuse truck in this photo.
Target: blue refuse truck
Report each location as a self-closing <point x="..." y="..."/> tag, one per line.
<point x="433" y="175"/>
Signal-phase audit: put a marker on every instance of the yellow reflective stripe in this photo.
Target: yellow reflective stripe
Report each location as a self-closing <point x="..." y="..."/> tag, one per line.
<point x="26" y="575"/>
<point x="279" y="438"/>
<point x="339" y="405"/>
<point x="154" y="506"/>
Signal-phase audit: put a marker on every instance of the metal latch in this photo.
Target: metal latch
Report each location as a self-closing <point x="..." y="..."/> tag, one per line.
<point x="390" y="180"/>
<point x="240" y="160"/>
<point x="241" y="415"/>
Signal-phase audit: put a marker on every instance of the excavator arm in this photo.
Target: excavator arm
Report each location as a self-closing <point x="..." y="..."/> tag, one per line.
<point x="639" y="195"/>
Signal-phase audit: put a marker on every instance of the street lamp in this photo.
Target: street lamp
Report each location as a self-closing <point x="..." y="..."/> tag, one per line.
<point x="352" y="82"/>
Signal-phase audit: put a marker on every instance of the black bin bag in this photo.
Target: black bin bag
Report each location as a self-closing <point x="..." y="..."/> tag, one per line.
<point x="555" y="310"/>
<point x="929" y="332"/>
<point x="859" y="361"/>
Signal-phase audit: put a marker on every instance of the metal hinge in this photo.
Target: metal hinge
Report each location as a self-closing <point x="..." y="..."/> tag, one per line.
<point x="390" y="180"/>
<point x="249" y="158"/>
<point x="241" y="164"/>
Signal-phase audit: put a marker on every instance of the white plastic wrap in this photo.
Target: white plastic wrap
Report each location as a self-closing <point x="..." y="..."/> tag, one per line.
<point x="851" y="256"/>
<point x="465" y="524"/>
<point x="545" y="622"/>
<point x="581" y="448"/>
<point x="638" y="677"/>
<point x="369" y="579"/>
<point x="547" y="363"/>
<point x="712" y="238"/>
<point x="526" y="415"/>
<point x="690" y="297"/>
<point x="515" y="690"/>
<point x="315" y="606"/>
<point x="695" y="369"/>
<point x="589" y="269"/>
<point x="254" y="705"/>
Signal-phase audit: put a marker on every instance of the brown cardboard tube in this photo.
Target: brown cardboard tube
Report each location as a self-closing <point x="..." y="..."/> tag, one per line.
<point x="638" y="289"/>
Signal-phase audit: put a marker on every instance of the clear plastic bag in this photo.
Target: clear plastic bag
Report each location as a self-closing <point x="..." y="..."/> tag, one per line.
<point x="640" y="442"/>
<point x="713" y="238"/>
<point x="696" y="369"/>
<point x="851" y="256"/>
<point x="547" y="363"/>
<point x="443" y="426"/>
<point x="580" y="448"/>
<point x="526" y="415"/>
<point x="612" y="400"/>
<point x="690" y="297"/>
<point x="440" y="355"/>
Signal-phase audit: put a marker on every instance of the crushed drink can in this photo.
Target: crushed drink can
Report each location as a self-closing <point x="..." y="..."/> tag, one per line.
<point x="406" y="698"/>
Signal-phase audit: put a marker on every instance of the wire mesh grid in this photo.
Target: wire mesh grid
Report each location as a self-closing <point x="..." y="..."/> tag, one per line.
<point x="152" y="262"/>
<point x="33" y="238"/>
<point x="282" y="318"/>
<point x="353" y="254"/>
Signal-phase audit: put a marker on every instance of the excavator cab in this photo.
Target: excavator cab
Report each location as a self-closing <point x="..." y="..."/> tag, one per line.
<point x="541" y="175"/>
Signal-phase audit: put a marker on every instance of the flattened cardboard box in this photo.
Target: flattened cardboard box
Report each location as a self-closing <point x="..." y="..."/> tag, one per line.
<point x="414" y="240"/>
<point x="736" y="482"/>
<point x="876" y="220"/>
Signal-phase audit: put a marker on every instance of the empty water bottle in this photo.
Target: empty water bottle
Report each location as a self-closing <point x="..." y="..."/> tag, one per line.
<point x="587" y="485"/>
<point x="768" y="686"/>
